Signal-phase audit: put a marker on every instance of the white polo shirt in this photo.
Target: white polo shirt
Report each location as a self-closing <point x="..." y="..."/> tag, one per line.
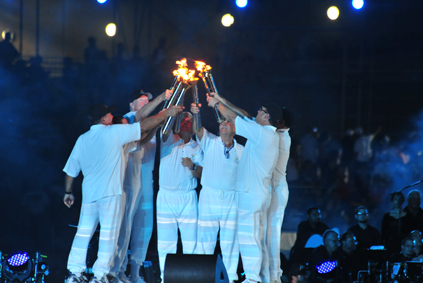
<point x="98" y="154"/>
<point x="172" y="175"/>
<point x="284" y="146"/>
<point x="259" y="158"/>
<point x="218" y="172"/>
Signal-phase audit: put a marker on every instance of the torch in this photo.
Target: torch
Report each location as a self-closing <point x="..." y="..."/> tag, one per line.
<point x="197" y="117"/>
<point x="172" y="88"/>
<point x="207" y="77"/>
<point x="176" y="99"/>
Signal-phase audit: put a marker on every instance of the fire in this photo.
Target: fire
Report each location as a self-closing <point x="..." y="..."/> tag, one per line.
<point x="183" y="73"/>
<point x="202" y="67"/>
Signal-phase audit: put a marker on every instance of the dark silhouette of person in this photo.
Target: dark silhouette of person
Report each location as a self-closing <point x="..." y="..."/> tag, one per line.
<point x="8" y="53"/>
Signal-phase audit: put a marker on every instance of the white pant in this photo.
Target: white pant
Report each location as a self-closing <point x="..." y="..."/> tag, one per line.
<point x="176" y="210"/>
<point x="252" y="221"/>
<point x="142" y="228"/>
<point x="130" y="201"/>
<point x="218" y="209"/>
<point x="107" y="211"/>
<point x="271" y="269"/>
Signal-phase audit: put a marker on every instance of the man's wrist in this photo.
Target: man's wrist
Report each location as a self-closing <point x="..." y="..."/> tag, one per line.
<point x="193" y="167"/>
<point x="217" y="105"/>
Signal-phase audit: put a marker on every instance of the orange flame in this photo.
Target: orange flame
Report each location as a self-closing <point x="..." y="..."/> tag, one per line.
<point x="202" y="67"/>
<point x="183" y="73"/>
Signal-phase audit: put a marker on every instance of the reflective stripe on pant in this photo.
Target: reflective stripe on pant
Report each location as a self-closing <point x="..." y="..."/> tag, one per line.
<point x="218" y="209"/>
<point x="176" y="210"/>
<point x="271" y="269"/>
<point x="252" y="221"/>
<point x="107" y="211"/>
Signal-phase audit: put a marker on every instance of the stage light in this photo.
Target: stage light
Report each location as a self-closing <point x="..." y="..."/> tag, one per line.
<point x="333" y="13"/>
<point x="358" y="4"/>
<point x="101" y="1"/>
<point x="326" y="266"/>
<point x="227" y="20"/>
<point x="18" y="259"/>
<point x="17" y="267"/>
<point x="111" y="29"/>
<point x="241" y="3"/>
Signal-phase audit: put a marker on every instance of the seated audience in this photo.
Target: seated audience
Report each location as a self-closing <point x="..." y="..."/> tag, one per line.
<point x="365" y="234"/>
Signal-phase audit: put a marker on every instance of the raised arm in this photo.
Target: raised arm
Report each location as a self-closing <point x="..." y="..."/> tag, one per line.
<point x="149" y="107"/>
<point x="149" y="135"/>
<point x="228" y="110"/>
<point x="195" y="110"/>
<point x="151" y="122"/>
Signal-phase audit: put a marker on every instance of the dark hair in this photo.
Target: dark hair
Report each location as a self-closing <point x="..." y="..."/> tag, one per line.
<point x="359" y="208"/>
<point x="344" y="236"/>
<point x="287" y="117"/>
<point x="118" y="119"/>
<point x="310" y="210"/>
<point x="401" y="196"/>
<point x="325" y="235"/>
<point x="405" y="240"/>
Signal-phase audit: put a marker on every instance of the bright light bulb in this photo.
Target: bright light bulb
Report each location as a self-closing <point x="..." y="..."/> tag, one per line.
<point x="241" y="3"/>
<point x="227" y="20"/>
<point x="358" y="4"/>
<point x="111" y="29"/>
<point x="101" y="1"/>
<point x="333" y="13"/>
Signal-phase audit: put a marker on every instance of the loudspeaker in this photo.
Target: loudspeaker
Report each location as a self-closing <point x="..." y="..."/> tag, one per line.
<point x="189" y="268"/>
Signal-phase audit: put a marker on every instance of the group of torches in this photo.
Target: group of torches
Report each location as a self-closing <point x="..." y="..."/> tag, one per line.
<point x="185" y="79"/>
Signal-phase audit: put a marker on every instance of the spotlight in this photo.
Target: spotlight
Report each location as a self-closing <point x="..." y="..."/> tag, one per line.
<point x="326" y="266"/>
<point x="17" y="267"/>
<point x="333" y="13"/>
<point x="227" y="20"/>
<point x="101" y="1"/>
<point x="241" y="3"/>
<point x="111" y="29"/>
<point x="358" y="4"/>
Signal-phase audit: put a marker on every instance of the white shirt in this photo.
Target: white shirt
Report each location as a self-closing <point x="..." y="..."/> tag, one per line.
<point x="140" y="163"/>
<point x="259" y="157"/>
<point x="172" y="175"/>
<point x="219" y="172"/>
<point x="284" y="146"/>
<point x="98" y="154"/>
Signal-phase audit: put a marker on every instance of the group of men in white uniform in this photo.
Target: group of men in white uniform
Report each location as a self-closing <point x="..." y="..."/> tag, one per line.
<point x="243" y="197"/>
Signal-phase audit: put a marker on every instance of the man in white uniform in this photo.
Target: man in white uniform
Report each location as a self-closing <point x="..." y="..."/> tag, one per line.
<point x="180" y="166"/>
<point x="138" y="202"/>
<point x="218" y="199"/>
<point x="253" y="178"/>
<point x="98" y="154"/>
<point x="280" y="194"/>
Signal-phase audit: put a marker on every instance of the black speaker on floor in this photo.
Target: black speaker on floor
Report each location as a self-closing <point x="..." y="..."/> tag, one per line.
<point x="194" y="268"/>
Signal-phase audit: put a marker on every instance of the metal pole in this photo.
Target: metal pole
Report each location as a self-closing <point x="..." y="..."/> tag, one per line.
<point x="20" y="26"/>
<point x="37" y="29"/>
<point x="344" y="81"/>
<point x="64" y="28"/>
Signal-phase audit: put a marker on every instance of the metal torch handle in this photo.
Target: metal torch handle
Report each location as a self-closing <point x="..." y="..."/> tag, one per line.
<point x="179" y="92"/>
<point x="175" y="85"/>
<point x="197" y="116"/>
<point x="211" y="87"/>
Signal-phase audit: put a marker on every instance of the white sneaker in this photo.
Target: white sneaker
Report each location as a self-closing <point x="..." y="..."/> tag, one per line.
<point x="249" y="281"/>
<point x="123" y="278"/>
<point x="102" y="280"/>
<point x="72" y="278"/>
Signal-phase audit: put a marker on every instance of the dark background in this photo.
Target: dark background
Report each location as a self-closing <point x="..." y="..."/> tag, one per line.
<point x="364" y="69"/>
